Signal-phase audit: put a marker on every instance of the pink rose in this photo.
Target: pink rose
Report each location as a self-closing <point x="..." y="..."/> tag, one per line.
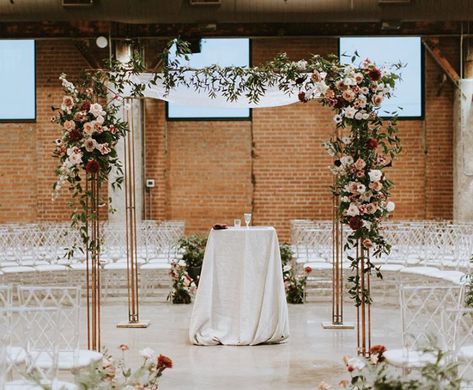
<point x="348" y="95"/>
<point x="377" y="100"/>
<point x="89" y="128"/>
<point x="104" y="148"/>
<point x="67" y="101"/>
<point x="371" y="208"/>
<point x="376" y="186"/>
<point x="360" y="164"/>
<point x="69" y="125"/>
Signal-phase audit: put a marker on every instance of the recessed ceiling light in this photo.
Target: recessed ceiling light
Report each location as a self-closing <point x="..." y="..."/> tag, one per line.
<point x="102" y="42"/>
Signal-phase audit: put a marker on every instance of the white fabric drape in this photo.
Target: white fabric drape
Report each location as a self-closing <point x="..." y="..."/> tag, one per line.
<point x="182" y="95"/>
<point x="241" y="298"/>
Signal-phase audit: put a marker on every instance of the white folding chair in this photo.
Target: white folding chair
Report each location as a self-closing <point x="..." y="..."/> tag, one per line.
<point x="422" y="320"/>
<point x="67" y="301"/>
<point x="33" y="334"/>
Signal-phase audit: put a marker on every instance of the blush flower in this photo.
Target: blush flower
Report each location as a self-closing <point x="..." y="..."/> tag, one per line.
<point x="69" y="125"/>
<point x="360" y="164"/>
<point x="104" y="148"/>
<point x="89" y="128"/>
<point x="90" y="144"/>
<point x="376" y="186"/>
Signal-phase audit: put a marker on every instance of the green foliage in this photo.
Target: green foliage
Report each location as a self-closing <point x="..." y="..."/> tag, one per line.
<point x="294" y="283"/>
<point x="193" y="248"/>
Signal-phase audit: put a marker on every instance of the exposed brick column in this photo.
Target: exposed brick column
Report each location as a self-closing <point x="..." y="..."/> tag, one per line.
<point x="463" y="146"/>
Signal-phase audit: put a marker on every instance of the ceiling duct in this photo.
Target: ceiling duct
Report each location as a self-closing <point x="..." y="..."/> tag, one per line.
<point x="205" y="2"/>
<point x="77" y="3"/>
<point x="394" y="2"/>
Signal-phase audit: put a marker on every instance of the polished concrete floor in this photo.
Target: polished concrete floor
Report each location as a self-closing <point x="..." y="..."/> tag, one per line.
<point x="311" y="355"/>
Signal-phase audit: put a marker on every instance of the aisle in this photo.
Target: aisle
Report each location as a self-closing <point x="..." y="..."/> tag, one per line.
<point x="311" y="355"/>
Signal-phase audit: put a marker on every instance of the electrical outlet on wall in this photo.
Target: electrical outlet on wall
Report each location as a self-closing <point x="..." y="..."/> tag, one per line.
<point x="150" y="183"/>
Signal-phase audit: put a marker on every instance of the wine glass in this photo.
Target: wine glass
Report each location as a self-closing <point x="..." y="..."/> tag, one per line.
<point x="247" y="217"/>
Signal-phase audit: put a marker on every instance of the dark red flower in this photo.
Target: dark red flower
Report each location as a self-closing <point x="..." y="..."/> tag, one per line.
<point x="375" y="74"/>
<point x="340" y="103"/>
<point x="372" y="143"/>
<point x="164" y="361"/>
<point x="302" y="97"/>
<point x="355" y="223"/>
<point x="350" y="368"/>
<point x="92" y="166"/>
<point x="85" y="106"/>
<point x="75" y="135"/>
<point x="307" y="270"/>
<point x="378" y="350"/>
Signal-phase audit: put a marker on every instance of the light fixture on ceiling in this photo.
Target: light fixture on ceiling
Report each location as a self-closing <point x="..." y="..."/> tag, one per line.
<point x="391" y="25"/>
<point x="101" y="42"/>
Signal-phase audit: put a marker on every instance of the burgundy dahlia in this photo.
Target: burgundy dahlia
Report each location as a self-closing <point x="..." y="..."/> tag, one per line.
<point x="75" y="135"/>
<point x="92" y="166"/>
<point x="164" y="361"/>
<point x="355" y="223"/>
<point x="375" y="74"/>
<point x="302" y="97"/>
<point x="372" y="143"/>
<point x="85" y="106"/>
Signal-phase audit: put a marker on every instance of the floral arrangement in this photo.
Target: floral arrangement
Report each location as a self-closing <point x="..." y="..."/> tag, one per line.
<point x="183" y="286"/>
<point x="374" y="373"/>
<point x="294" y="283"/>
<point x="193" y="248"/>
<point x="363" y="145"/>
<point x="89" y="133"/>
<point x="112" y="374"/>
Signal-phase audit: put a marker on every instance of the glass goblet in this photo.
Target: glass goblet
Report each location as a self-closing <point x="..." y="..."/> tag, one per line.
<point x="247" y="217"/>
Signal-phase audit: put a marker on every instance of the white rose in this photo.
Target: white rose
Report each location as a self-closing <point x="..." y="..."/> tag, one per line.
<point x="353" y="210"/>
<point x="349" y="112"/>
<point x="301" y="65"/>
<point x="100" y="119"/>
<point x="148" y="353"/>
<point x="346" y="160"/>
<point x="361" y="188"/>
<point x="181" y="263"/>
<point x="390" y="207"/>
<point x="346" y="140"/>
<point x="287" y="268"/>
<point x="375" y="175"/>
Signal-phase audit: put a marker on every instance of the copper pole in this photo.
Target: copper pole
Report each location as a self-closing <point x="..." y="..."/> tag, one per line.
<point x="131" y="238"/>
<point x="87" y="268"/>
<point x="358" y="341"/>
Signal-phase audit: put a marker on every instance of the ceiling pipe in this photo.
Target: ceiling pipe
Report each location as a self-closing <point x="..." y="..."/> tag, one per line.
<point x="238" y="11"/>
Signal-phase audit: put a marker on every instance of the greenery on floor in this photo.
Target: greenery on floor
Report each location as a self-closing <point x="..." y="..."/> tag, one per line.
<point x="375" y="373"/>
<point x="185" y="273"/>
<point x="294" y="283"/>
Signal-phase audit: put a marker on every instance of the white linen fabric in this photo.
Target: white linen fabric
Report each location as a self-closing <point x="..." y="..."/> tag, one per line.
<point x="182" y="95"/>
<point x="241" y="298"/>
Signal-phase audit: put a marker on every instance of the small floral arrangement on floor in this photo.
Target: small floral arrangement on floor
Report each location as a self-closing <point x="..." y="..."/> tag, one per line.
<point x="183" y="286"/>
<point x="374" y="373"/>
<point x="294" y="283"/>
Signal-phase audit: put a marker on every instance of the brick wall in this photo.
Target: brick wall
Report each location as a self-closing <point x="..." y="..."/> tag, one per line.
<point x="208" y="172"/>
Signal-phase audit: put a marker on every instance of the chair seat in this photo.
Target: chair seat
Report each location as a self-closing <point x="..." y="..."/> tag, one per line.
<point x="17" y="269"/>
<point x="16" y="354"/>
<point x="78" y="266"/>
<point x="25" y="385"/>
<point x="319" y="265"/>
<point x="68" y="360"/>
<point x="115" y="266"/>
<point x="456" y="277"/>
<point x="466" y="352"/>
<point x="409" y="359"/>
<point x="391" y="267"/>
<point x="425" y="271"/>
<point x="156" y="266"/>
<point x="50" y="267"/>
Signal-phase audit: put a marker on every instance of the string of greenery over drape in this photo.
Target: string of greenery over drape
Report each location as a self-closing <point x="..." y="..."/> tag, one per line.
<point x="363" y="146"/>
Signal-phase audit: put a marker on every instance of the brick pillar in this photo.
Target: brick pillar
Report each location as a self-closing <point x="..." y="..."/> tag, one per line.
<point x="463" y="146"/>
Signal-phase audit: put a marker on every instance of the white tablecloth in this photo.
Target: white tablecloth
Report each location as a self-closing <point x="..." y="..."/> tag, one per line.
<point x="241" y="298"/>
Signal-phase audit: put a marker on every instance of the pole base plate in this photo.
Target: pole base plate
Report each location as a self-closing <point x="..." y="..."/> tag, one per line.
<point x="139" y="324"/>
<point x="331" y="325"/>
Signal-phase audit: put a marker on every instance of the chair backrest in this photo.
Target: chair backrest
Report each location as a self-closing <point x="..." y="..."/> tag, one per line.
<point x="29" y="341"/>
<point x="66" y="300"/>
<point x="6" y="296"/>
<point x="422" y="310"/>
